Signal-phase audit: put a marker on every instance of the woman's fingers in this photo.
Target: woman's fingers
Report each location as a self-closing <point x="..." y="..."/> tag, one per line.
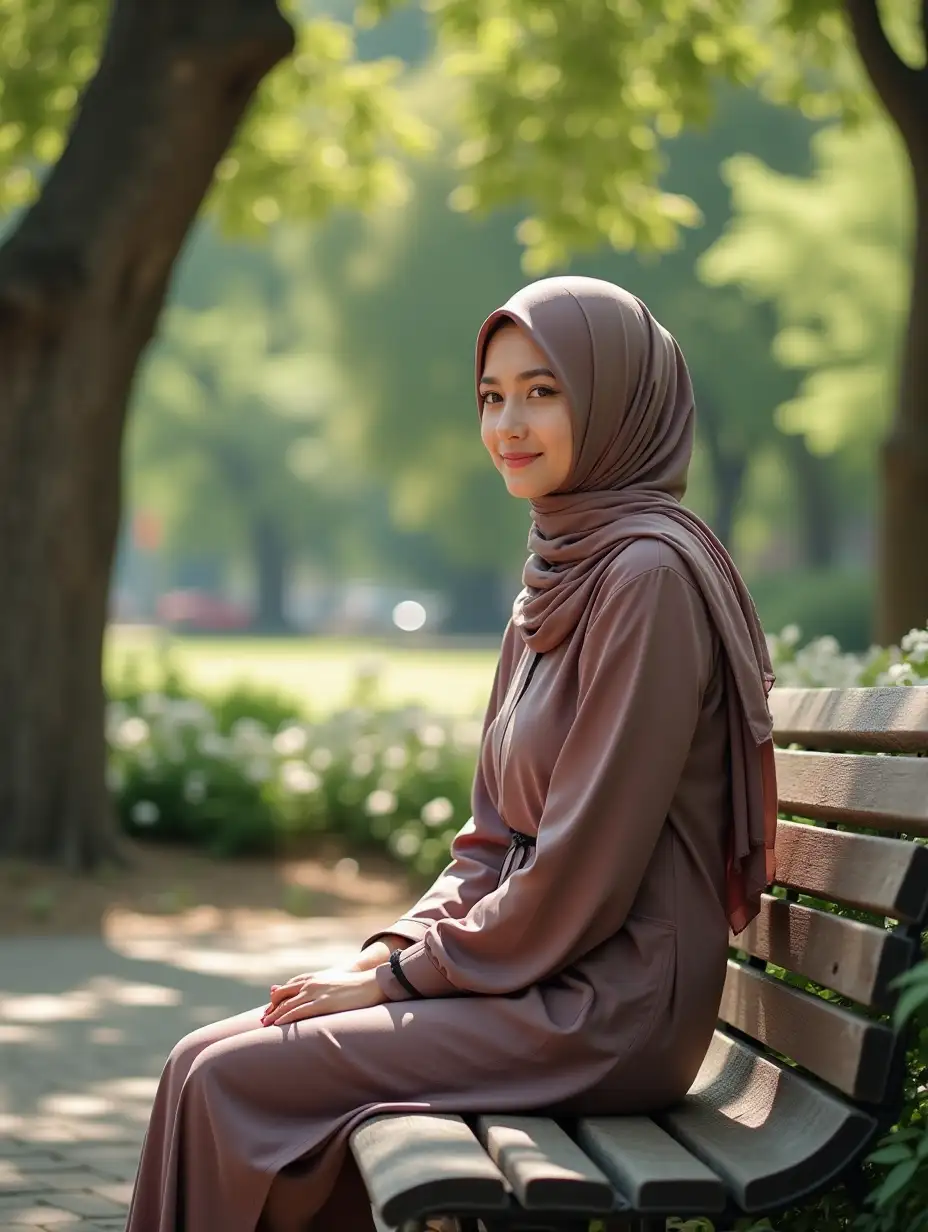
<point x="282" y="992"/>
<point x="302" y="1009"/>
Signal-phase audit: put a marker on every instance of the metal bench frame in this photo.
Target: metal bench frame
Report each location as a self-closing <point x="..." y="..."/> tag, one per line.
<point x="795" y="1088"/>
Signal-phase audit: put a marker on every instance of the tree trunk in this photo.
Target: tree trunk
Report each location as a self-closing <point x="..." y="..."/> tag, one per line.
<point x="271" y="569"/>
<point x="82" y="281"/>
<point x="728" y="473"/>
<point x="815" y="502"/>
<point x="902" y="599"/>
<point x="902" y="602"/>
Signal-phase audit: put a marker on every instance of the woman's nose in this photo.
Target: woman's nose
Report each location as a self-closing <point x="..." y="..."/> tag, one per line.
<point x="511" y="420"/>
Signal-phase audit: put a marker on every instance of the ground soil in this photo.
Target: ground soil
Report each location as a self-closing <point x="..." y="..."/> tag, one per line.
<point x="166" y="889"/>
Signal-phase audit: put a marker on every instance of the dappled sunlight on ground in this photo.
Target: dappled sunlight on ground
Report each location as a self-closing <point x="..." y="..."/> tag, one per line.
<point x="86" y="1024"/>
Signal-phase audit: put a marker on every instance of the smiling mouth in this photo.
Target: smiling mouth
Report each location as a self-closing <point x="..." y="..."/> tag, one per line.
<point x="517" y="460"/>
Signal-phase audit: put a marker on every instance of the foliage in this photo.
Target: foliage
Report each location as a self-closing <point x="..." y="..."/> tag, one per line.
<point x="836" y="602"/>
<point x="563" y="104"/>
<point x="323" y="132"/>
<point x="205" y="771"/>
<point x="830" y="253"/>
<point x="231" y="443"/>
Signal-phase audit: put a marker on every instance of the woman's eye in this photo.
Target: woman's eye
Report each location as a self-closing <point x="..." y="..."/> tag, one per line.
<point x="489" y="398"/>
<point x="545" y="391"/>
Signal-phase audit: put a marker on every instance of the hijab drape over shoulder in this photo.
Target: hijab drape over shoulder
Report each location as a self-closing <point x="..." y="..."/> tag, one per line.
<point x="633" y="417"/>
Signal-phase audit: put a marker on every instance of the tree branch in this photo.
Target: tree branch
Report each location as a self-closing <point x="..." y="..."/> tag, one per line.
<point x="173" y="82"/>
<point x="901" y="89"/>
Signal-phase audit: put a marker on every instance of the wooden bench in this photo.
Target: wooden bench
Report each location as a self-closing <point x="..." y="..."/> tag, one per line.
<point x="757" y="1132"/>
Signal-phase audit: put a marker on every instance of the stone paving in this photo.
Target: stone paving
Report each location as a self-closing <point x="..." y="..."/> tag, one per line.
<point x="85" y="1025"/>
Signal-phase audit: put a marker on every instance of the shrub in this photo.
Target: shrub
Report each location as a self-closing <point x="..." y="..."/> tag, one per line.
<point x="203" y="771"/>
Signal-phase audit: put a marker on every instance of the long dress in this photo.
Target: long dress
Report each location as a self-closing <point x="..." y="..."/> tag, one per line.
<point x="581" y="973"/>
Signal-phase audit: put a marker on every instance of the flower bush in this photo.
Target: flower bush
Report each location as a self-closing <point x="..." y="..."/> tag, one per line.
<point x="204" y="771"/>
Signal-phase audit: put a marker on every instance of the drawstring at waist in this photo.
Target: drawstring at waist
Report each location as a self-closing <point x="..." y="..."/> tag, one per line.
<point x="520" y="843"/>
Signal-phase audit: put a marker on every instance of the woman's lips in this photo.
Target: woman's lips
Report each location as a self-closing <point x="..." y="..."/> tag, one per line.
<point x="518" y="460"/>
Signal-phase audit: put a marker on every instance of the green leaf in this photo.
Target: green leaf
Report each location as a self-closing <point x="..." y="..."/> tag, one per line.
<point x="897" y="1153"/>
<point x="895" y="1182"/>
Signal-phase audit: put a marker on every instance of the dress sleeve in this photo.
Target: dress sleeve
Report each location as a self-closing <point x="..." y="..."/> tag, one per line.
<point x="646" y="660"/>
<point x="479" y="847"/>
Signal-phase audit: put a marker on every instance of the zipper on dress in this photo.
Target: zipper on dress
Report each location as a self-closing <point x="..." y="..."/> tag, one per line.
<point x="519" y="843"/>
<point x="520" y="684"/>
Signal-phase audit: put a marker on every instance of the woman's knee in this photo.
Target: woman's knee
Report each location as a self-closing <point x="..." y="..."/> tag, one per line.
<point x="187" y="1049"/>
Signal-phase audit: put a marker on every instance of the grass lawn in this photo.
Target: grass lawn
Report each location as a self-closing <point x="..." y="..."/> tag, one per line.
<point x="321" y="673"/>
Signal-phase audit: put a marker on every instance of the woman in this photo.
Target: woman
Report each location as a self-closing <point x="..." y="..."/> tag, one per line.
<point x="572" y="954"/>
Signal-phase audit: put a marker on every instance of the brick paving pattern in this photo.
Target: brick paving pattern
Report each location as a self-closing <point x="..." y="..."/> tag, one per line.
<point x="85" y="1025"/>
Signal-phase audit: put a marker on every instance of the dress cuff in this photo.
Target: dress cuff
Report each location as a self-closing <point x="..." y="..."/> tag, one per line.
<point x="421" y="972"/>
<point x="412" y="930"/>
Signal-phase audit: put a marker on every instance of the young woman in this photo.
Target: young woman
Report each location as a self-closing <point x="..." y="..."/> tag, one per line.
<point x="571" y="956"/>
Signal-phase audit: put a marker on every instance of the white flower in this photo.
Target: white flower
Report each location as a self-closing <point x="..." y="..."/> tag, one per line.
<point x="405" y="843"/>
<point x="257" y="769"/>
<point x="290" y="742"/>
<point x="361" y="765"/>
<point x="213" y="745"/>
<point x="437" y="811"/>
<point x="901" y="673"/>
<point x="320" y="759"/>
<point x="380" y="803"/>
<point x="790" y="635"/>
<point x="195" y="787"/>
<point x="915" y="646"/>
<point x="395" y="757"/>
<point x="132" y="733"/>
<point x="145" y="813"/>
<point x="249" y="736"/>
<point x="153" y="705"/>
<point x="188" y="712"/>
<point x="432" y="736"/>
<point x="297" y="778"/>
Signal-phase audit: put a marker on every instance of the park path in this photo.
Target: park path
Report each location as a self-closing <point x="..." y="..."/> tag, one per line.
<point x="85" y="1025"/>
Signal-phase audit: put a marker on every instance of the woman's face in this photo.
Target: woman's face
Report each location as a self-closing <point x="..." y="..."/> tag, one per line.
<point x="525" y="421"/>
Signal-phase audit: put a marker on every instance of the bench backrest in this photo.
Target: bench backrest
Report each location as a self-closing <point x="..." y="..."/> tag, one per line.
<point x="868" y="807"/>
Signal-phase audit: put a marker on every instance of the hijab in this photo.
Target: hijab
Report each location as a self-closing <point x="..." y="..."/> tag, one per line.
<point x="633" y="413"/>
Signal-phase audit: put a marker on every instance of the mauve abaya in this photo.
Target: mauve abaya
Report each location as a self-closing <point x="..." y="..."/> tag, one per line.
<point x="582" y="972"/>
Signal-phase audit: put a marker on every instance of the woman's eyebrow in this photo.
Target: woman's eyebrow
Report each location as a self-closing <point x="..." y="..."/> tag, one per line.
<point x="523" y="376"/>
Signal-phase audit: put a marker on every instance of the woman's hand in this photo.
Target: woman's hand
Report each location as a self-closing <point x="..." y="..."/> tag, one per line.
<point x="313" y="994"/>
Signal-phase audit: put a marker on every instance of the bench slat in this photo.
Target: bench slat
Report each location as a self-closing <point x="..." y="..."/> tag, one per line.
<point x="766" y="1130"/>
<point x="887" y="720"/>
<point x="425" y="1163"/>
<point x="853" y="959"/>
<point x="881" y="793"/>
<point x="650" y="1168"/>
<point x="885" y="875"/>
<point x="546" y="1168"/>
<point x="847" y="1050"/>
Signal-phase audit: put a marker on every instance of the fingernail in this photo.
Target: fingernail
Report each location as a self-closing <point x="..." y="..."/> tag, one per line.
<point x="274" y="987"/>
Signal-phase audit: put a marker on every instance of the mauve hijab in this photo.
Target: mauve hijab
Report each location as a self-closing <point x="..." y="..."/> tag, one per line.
<point x="633" y="417"/>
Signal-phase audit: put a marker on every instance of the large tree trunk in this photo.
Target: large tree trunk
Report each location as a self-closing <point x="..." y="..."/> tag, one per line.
<point x="271" y="560"/>
<point x="82" y="281"/>
<point x="902" y="600"/>
<point x="815" y="500"/>
<point x="728" y="472"/>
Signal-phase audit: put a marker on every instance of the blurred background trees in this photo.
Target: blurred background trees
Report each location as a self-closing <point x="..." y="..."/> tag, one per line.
<point x="304" y="424"/>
